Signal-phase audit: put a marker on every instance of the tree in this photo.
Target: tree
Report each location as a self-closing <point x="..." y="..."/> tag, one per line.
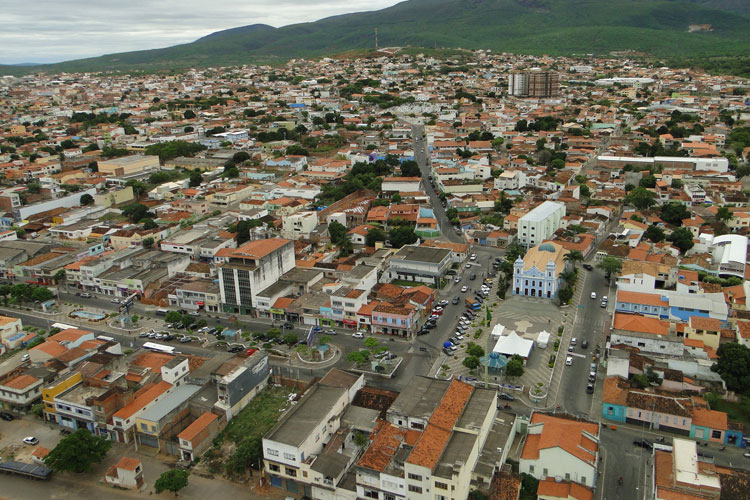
<point x="33" y="187"/>
<point x="497" y="143"/>
<point x="187" y="320"/>
<point x="135" y="211"/>
<point x="41" y="294"/>
<point x="573" y="256"/>
<point x="648" y="181"/>
<point x="410" y="168"/>
<point x="345" y="247"/>
<point x="610" y="265"/>
<point x="371" y="343"/>
<point x="86" y="200"/>
<point x="358" y="357"/>
<point x="565" y="294"/>
<point x="734" y="366"/>
<point x="475" y="350"/>
<point x="396" y="198"/>
<point x="189" y="114"/>
<point x="78" y="452"/>
<point x="173" y="317"/>
<point x="172" y="480"/>
<point x="654" y="233"/>
<point x="138" y="187"/>
<point x="682" y="238"/>
<point x="674" y="213"/>
<point x="148" y="223"/>
<point x="273" y="333"/>
<point x="291" y="338"/>
<point x="337" y="232"/>
<point x="373" y="235"/>
<point x="640" y="197"/>
<point x="60" y="275"/>
<point x="471" y="362"/>
<point x="148" y="243"/>
<point x="243" y="231"/>
<point x="196" y="179"/>
<point x="514" y="368"/>
<point x="724" y="214"/>
<point x="529" y="487"/>
<point x="402" y="235"/>
<point x="231" y="172"/>
<point x="360" y="440"/>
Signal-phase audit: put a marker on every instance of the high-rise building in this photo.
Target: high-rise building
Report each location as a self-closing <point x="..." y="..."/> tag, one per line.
<point x="534" y="83"/>
<point x="252" y="268"/>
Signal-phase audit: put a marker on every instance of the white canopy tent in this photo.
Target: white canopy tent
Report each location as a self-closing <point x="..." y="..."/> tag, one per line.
<point x="513" y="344"/>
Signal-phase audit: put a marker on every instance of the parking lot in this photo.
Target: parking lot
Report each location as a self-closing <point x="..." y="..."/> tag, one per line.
<point x="13" y="432"/>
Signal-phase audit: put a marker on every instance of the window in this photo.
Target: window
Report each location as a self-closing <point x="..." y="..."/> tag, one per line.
<point x="442" y="486"/>
<point x="271" y="452"/>
<point x="289" y="456"/>
<point x="415" y="489"/>
<point x="716" y="434"/>
<point x="389" y="497"/>
<point x="583" y="479"/>
<point x="417" y="425"/>
<point x="144" y="427"/>
<point x="290" y="472"/>
<point x="415" y="477"/>
<point x="531" y="469"/>
<point x="371" y="494"/>
<point x="567" y="476"/>
<point x="545" y="472"/>
<point x="274" y="468"/>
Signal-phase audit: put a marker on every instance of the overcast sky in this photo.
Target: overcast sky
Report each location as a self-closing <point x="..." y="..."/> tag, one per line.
<point x="58" y="30"/>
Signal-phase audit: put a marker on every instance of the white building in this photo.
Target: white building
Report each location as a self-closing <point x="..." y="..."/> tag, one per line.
<point x="559" y="447"/>
<point x="538" y="273"/>
<point x="730" y="251"/>
<point x="299" y="225"/>
<point x="540" y="223"/>
<point x="252" y="268"/>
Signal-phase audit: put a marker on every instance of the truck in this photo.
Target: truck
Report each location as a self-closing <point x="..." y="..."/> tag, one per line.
<point x="472" y="304"/>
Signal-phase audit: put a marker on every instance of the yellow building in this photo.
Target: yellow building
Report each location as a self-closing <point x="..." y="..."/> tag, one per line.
<point x="114" y="197"/>
<point x="17" y="130"/>
<point x="128" y="165"/>
<point x="53" y="390"/>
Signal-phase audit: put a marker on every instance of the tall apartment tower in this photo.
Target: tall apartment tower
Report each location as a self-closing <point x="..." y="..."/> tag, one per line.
<point x="534" y="83"/>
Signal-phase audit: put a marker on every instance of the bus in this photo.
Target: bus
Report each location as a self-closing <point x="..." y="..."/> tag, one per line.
<point x="62" y="326"/>
<point x="153" y="346"/>
<point x="162" y="312"/>
<point x="105" y="338"/>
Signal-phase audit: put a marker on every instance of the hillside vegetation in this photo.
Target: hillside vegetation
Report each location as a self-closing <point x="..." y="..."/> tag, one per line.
<point x="554" y="27"/>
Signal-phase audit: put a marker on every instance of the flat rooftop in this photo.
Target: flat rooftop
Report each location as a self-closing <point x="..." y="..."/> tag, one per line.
<point x="306" y="416"/>
<point x="421" y="254"/>
<point x="80" y="393"/>
<point x="420" y="397"/>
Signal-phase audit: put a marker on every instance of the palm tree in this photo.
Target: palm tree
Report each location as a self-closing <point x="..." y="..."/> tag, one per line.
<point x="573" y="256"/>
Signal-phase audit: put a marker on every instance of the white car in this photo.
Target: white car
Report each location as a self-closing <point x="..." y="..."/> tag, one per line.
<point x="30" y="440"/>
<point x="464" y="288"/>
<point x="468" y="266"/>
<point x="457" y="279"/>
<point x="452" y="347"/>
<point x="574" y="341"/>
<point x="593" y="295"/>
<point x="473" y="256"/>
<point x="605" y="299"/>
<point x="569" y="361"/>
<point x="358" y="335"/>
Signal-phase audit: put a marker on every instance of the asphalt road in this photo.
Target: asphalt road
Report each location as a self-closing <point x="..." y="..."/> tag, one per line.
<point x="591" y="324"/>
<point x="422" y="158"/>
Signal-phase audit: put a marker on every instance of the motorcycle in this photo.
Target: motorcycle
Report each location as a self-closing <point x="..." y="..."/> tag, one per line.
<point x="619" y="481"/>
<point x="722" y="448"/>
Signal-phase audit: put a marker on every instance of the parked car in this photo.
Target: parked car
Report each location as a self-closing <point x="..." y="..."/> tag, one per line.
<point x="593" y="295"/>
<point x="506" y="396"/>
<point x="194" y="313"/>
<point x="330" y="331"/>
<point x="464" y="289"/>
<point x="115" y="301"/>
<point x="443" y="303"/>
<point x="85" y="295"/>
<point x="588" y="267"/>
<point x="455" y="300"/>
<point x="185" y="339"/>
<point x="590" y="388"/>
<point x="643" y="444"/>
<point x="457" y="279"/>
<point x="358" y="335"/>
<point x="569" y="361"/>
<point x="7" y="416"/>
<point x="144" y="334"/>
<point x="235" y="349"/>
<point x="604" y="304"/>
<point x="574" y="341"/>
<point x="585" y="344"/>
<point x="447" y="351"/>
<point x="287" y="326"/>
<point x="30" y="440"/>
<point x="317" y="329"/>
<point x="454" y="340"/>
<point x="473" y="277"/>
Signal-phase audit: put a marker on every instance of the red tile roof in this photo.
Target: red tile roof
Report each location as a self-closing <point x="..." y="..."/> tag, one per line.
<point x="192" y="430"/>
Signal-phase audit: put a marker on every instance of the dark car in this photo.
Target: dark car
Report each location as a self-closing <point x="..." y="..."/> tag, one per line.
<point x="288" y="326"/>
<point x="590" y="388"/>
<point x="643" y="443"/>
<point x="235" y="349"/>
<point x="456" y="300"/>
<point x="6" y="416"/>
<point x="506" y="396"/>
<point x="588" y="267"/>
<point x="585" y="344"/>
<point x="473" y="277"/>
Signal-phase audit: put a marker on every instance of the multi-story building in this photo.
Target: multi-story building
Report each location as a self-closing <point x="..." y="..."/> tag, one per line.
<point x="418" y="263"/>
<point x="299" y="225"/>
<point x="20" y="392"/>
<point x="128" y="165"/>
<point x="242" y="383"/>
<point x="534" y="83"/>
<point x="252" y="268"/>
<point x="538" y="273"/>
<point x="540" y="223"/>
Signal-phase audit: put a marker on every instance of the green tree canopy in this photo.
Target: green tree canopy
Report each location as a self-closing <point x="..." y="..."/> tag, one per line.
<point x="41" y="294"/>
<point x="410" y="168"/>
<point x="640" y="197"/>
<point x="402" y="235"/>
<point x="78" y="452"/>
<point x="135" y="212"/>
<point x="682" y="238"/>
<point x="337" y="232"/>
<point x="674" y="213"/>
<point x="475" y="350"/>
<point x="196" y="179"/>
<point x="172" y="480"/>
<point x="471" y="362"/>
<point x="291" y="338"/>
<point x="148" y="223"/>
<point x="610" y="265"/>
<point x="723" y="213"/>
<point x="654" y="233"/>
<point x="734" y="366"/>
<point x="86" y="199"/>
<point x="148" y="243"/>
<point x="173" y="317"/>
<point x="373" y="235"/>
<point x="514" y="368"/>
<point x="170" y="150"/>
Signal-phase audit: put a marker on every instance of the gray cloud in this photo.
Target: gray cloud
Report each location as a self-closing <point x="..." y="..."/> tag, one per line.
<point x="59" y="30"/>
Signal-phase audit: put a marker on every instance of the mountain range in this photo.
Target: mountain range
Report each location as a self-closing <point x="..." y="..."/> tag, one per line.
<point x="555" y="27"/>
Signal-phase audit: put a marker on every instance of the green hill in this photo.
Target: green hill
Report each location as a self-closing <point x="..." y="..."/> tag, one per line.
<point x="554" y="27"/>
